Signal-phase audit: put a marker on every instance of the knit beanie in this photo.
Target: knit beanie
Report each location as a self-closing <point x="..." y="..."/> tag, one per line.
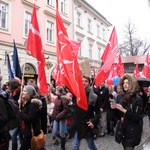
<point x="31" y="90"/>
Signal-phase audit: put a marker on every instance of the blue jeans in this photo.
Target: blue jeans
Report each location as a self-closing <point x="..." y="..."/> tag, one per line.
<point x="76" y="143"/>
<point x="59" y="128"/>
<point x="14" y="134"/>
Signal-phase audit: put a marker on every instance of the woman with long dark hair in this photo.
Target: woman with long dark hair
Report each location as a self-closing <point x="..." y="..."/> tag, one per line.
<point x="129" y="107"/>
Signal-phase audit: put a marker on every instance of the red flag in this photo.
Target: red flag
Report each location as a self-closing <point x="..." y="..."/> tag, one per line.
<point x="136" y="73"/>
<point x="34" y="46"/>
<point x="146" y="69"/>
<point x="111" y="47"/>
<point x="69" y="69"/>
<point x="56" y="75"/>
<point x="108" y="59"/>
<point x="120" y="67"/>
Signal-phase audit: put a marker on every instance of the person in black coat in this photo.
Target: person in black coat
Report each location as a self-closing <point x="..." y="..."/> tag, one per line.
<point x="4" y="132"/>
<point x="84" y="122"/>
<point x="14" y="88"/>
<point x="43" y="108"/>
<point x="30" y="116"/>
<point x="130" y="108"/>
<point x="102" y="93"/>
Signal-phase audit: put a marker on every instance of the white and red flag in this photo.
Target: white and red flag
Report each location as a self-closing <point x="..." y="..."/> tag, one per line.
<point x="120" y="67"/>
<point x="34" y="46"/>
<point x="136" y="73"/>
<point x="108" y="58"/>
<point x="56" y="75"/>
<point x="70" y="74"/>
<point x="146" y="67"/>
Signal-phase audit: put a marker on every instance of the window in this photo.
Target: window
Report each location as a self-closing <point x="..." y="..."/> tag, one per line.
<point x="27" y="23"/>
<point x="79" y="19"/>
<point x="50" y="32"/>
<point x="80" y="50"/>
<point x="98" y="31"/>
<point x="90" y="51"/>
<point x="104" y="34"/>
<point x="50" y="3"/>
<point x="64" y="6"/>
<point x="99" y="53"/>
<point x="89" y="25"/>
<point x="3" y="15"/>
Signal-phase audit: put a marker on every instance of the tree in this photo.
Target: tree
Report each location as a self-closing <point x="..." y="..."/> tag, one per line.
<point x="132" y="45"/>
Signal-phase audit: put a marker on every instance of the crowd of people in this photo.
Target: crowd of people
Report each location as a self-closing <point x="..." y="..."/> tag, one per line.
<point x="106" y="105"/>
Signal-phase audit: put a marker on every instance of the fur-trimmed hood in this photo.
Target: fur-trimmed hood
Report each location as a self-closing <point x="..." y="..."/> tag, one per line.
<point x="38" y="101"/>
<point x="66" y="97"/>
<point x="133" y="84"/>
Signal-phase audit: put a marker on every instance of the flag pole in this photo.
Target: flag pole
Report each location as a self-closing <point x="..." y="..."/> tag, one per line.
<point x="22" y="81"/>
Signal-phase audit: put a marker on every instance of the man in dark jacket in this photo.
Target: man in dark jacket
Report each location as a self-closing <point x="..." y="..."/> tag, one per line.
<point x="4" y="133"/>
<point x="83" y="121"/>
<point x="14" y="90"/>
<point x="102" y="98"/>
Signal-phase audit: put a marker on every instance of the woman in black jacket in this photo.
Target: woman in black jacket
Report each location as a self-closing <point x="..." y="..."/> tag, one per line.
<point x="30" y="115"/>
<point x="130" y="109"/>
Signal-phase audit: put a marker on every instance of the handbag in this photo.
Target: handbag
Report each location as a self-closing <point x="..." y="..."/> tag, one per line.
<point x="96" y="131"/>
<point x="38" y="142"/>
<point x="120" y="129"/>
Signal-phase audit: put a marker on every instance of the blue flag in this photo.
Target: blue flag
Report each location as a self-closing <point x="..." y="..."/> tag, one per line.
<point x="10" y="73"/>
<point x="16" y="65"/>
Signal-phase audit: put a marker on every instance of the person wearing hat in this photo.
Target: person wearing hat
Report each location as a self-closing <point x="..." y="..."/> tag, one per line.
<point x="30" y="116"/>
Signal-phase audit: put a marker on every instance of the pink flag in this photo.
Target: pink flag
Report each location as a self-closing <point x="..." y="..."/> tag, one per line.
<point x="34" y="46"/>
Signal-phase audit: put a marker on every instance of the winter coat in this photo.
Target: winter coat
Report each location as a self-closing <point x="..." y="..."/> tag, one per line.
<point x="102" y="97"/>
<point x="30" y="115"/>
<point x="133" y="120"/>
<point x="4" y="132"/>
<point x="81" y="117"/>
<point x="43" y="114"/>
<point x="61" y="107"/>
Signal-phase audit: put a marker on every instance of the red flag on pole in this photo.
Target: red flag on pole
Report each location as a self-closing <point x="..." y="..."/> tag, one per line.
<point x="69" y="69"/>
<point x="56" y="75"/>
<point x="146" y="69"/>
<point x="120" y="67"/>
<point x="111" y="46"/>
<point x="34" y="46"/>
<point x="108" y="59"/>
<point x="136" y="73"/>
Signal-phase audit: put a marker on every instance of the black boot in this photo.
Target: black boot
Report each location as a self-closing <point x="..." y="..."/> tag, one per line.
<point x="14" y="146"/>
<point x="63" y="142"/>
<point x="111" y="128"/>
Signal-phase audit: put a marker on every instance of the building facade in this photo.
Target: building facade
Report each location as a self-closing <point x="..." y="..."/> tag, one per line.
<point x="82" y="22"/>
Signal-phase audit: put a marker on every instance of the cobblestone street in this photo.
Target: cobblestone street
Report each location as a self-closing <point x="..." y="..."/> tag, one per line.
<point x="105" y="143"/>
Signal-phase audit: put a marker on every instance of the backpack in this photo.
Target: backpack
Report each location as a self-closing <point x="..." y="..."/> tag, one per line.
<point x="12" y="110"/>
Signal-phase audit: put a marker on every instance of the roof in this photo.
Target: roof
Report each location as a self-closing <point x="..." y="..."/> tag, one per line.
<point x="133" y="59"/>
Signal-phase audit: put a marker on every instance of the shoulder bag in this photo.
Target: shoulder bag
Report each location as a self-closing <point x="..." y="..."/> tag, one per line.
<point x="38" y="142"/>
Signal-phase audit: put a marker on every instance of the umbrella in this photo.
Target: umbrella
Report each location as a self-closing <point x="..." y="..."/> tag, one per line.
<point x="144" y="82"/>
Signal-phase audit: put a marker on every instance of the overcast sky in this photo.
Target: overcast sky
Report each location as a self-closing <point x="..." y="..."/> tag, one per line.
<point x="118" y="12"/>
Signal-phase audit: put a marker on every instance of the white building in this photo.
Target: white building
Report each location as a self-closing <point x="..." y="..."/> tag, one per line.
<point x="91" y="29"/>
